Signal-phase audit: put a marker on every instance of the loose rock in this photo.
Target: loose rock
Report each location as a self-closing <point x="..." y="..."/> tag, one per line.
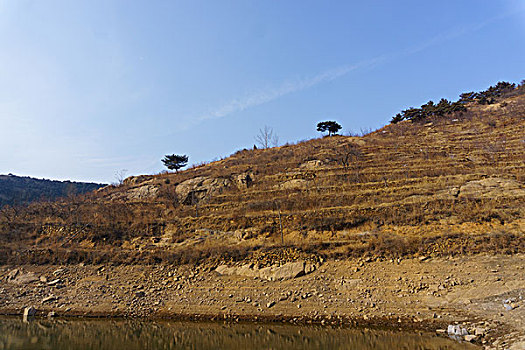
<point x="28" y="313"/>
<point x="49" y="299"/>
<point x="470" y="338"/>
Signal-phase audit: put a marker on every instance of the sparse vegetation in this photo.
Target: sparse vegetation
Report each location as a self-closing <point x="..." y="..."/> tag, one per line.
<point x="397" y="191"/>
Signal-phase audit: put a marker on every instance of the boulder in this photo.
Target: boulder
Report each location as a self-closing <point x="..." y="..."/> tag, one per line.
<point x="246" y="270"/>
<point x="28" y="313"/>
<point x="309" y="267"/>
<point x="22" y="278"/>
<point x="289" y="270"/>
<point x="223" y="270"/>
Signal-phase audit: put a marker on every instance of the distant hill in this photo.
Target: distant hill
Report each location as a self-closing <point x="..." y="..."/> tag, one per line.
<point x="18" y="190"/>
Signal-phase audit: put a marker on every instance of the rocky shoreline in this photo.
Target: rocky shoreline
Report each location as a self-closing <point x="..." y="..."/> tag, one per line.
<point x="477" y="298"/>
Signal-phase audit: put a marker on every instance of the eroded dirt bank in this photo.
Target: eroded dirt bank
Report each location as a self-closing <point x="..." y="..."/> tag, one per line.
<point x="483" y="293"/>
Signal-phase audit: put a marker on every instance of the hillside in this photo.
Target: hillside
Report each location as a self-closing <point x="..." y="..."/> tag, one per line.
<point x="18" y="190"/>
<point x="444" y="185"/>
<point x="418" y="225"/>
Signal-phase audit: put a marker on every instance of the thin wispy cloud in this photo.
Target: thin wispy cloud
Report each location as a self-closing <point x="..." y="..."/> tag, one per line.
<point x="292" y="86"/>
<point x="288" y="87"/>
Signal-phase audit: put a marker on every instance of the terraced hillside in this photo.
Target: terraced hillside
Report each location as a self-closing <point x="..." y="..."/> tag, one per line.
<point x="452" y="184"/>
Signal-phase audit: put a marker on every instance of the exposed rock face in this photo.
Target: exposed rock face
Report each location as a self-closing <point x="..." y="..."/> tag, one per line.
<point x="271" y="273"/>
<point x="198" y="188"/>
<point x="293" y="184"/>
<point x="143" y="192"/>
<point x="492" y="187"/>
<point x="135" y="180"/>
<point x="312" y="164"/>
<point x="244" y="180"/>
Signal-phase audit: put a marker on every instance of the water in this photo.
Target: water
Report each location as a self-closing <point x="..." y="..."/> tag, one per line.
<point x="131" y="334"/>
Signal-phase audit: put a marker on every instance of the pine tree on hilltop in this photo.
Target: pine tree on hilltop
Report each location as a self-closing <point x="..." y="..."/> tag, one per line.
<point x="330" y="126"/>
<point x="175" y="161"/>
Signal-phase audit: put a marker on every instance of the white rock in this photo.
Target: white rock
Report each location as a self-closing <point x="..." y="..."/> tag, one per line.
<point x="28" y="313"/>
<point x="470" y="338"/>
<point x="49" y="298"/>
<point x="457" y="330"/>
<point x="479" y="331"/>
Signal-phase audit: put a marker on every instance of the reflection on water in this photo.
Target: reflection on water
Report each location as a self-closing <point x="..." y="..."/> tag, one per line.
<point x="132" y="334"/>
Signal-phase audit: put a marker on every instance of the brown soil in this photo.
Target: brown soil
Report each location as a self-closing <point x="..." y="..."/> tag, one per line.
<point x="410" y="293"/>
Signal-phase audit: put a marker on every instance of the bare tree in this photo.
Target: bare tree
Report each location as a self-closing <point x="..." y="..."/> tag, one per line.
<point x="266" y="137"/>
<point x="120" y="176"/>
<point x="350" y="155"/>
<point x="351" y="159"/>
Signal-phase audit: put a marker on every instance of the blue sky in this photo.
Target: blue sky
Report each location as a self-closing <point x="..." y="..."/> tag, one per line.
<point x="88" y="88"/>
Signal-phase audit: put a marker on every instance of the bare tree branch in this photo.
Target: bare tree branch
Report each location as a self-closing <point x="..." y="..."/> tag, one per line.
<point x="266" y="137"/>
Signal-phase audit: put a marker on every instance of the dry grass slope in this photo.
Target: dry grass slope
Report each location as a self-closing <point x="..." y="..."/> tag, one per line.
<point x="450" y="185"/>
